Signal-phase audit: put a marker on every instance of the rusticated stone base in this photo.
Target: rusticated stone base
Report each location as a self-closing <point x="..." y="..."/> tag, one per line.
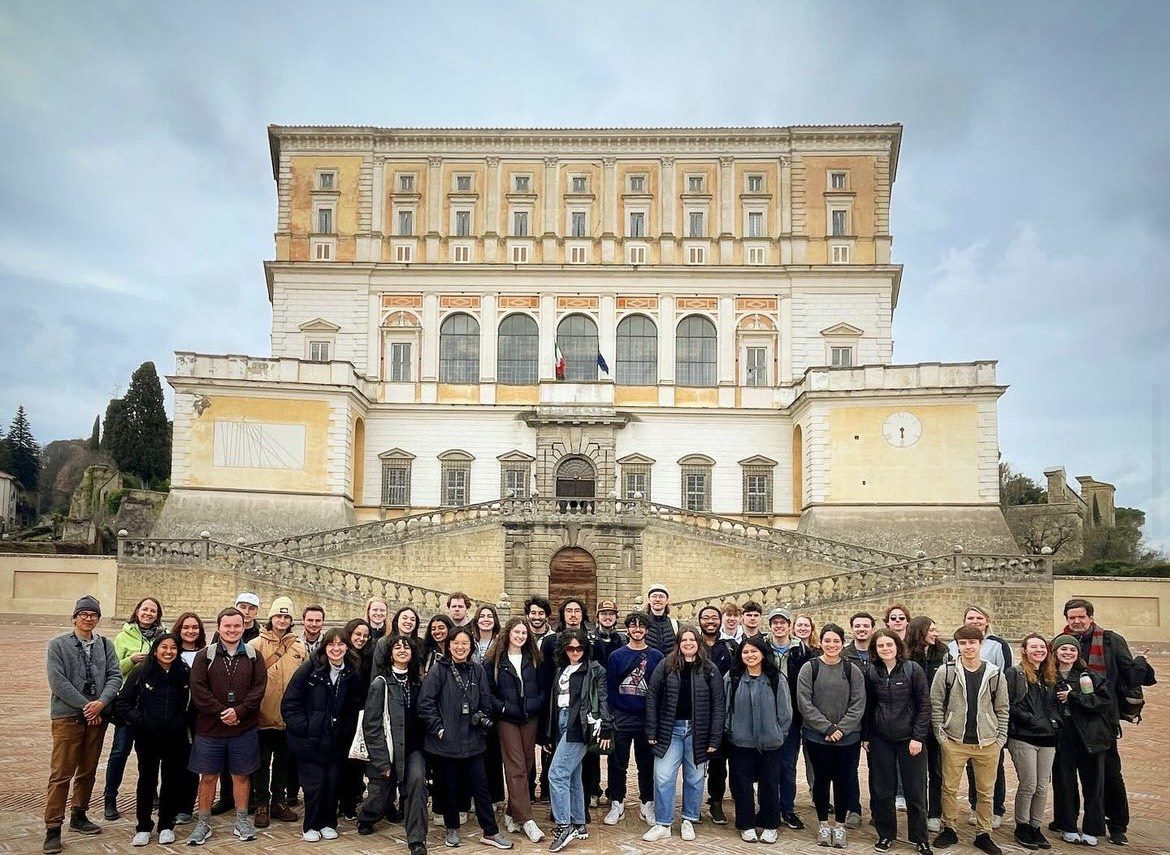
<point x="252" y="516"/>
<point x="908" y="529"/>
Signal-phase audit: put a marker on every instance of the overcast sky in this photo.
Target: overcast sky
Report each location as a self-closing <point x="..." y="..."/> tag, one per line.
<point x="1031" y="210"/>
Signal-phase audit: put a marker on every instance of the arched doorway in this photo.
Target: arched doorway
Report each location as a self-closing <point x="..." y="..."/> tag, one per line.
<point x="572" y="572"/>
<point x="576" y="483"/>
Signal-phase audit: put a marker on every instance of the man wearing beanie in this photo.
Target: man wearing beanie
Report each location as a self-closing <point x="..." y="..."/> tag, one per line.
<point x="282" y="652"/>
<point x="663" y="628"/>
<point x="84" y="678"/>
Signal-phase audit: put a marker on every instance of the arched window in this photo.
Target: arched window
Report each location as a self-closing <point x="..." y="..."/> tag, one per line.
<point x="637" y="352"/>
<point x="695" y="352"/>
<point x="518" y="346"/>
<point x="459" y="349"/>
<point x="577" y="339"/>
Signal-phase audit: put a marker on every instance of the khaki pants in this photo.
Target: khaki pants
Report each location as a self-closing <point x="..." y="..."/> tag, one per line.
<point x="76" y="750"/>
<point x="984" y="762"/>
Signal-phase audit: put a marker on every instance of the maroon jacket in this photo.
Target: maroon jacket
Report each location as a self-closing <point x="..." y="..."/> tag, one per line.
<point x="211" y="680"/>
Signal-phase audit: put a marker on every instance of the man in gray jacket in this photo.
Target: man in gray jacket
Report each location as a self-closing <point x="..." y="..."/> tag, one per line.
<point x="84" y="678"/>
<point x="969" y="711"/>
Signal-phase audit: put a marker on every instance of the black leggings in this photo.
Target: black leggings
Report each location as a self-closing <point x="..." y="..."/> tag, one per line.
<point x="834" y="765"/>
<point x="459" y="778"/>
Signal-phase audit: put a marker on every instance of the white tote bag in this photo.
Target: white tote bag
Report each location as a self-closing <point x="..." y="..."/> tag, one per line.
<point x="358" y="749"/>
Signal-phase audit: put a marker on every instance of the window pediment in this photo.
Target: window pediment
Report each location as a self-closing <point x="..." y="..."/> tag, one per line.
<point x="396" y="454"/>
<point x="456" y="455"/>
<point x="757" y="460"/>
<point x="636" y="460"/>
<point x="696" y="460"/>
<point x="843" y="330"/>
<point x="515" y="457"/>
<point x="318" y="325"/>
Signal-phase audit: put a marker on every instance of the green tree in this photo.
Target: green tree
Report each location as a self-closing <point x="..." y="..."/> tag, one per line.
<point x="1122" y="542"/>
<point x="1018" y="489"/>
<point x="148" y="432"/>
<point x="95" y="435"/>
<point x="115" y="433"/>
<point x="24" y="455"/>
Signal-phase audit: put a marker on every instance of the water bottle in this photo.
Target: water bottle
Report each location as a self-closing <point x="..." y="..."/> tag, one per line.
<point x="1086" y="684"/>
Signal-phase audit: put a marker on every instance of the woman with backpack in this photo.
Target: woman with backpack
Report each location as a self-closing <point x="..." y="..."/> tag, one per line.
<point x="1088" y="729"/>
<point x="830" y="694"/>
<point x="154" y="701"/>
<point x="1033" y="723"/>
<point x="759" y="713"/>
<point x="923" y="647"/>
<point x="512" y="667"/>
<point x="578" y="715"/>
<point x="685" y="712"/>
<point x="895" y="730"/>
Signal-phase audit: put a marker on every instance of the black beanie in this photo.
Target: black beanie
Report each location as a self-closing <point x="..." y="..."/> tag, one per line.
<point x="87" y="603"/>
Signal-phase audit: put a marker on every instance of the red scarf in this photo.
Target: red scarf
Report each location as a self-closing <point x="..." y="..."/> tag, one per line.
<point x="1096" y="660"/>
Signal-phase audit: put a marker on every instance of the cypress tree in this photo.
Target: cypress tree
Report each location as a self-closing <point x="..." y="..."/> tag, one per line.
<point x="23" y="452"/>
<point x="115" y="433"/>
<point x="148" y="436"/>
<point x="95" y="435"/>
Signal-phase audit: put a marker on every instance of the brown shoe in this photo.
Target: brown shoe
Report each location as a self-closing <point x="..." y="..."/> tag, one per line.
<point x="260" y="820"/>
<point x="283" y="813"/>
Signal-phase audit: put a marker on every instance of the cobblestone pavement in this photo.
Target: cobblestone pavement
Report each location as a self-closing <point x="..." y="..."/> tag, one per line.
<point x="25" y="744"/>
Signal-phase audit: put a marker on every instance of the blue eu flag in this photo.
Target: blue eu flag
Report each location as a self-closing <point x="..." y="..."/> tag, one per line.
<point x="601" y="362"/>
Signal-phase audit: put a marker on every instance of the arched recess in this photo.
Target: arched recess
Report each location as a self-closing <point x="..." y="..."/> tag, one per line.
<point x="577" y="339"/>
<point x="797" y="470"/>
<point x="357" y="476"/>
<point x="572" y="572"/>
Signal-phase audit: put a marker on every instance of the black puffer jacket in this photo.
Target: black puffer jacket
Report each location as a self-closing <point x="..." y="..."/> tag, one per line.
<point x="578" y="709"/>
<point x="1091" y="715"/>
<point x="320" y="716"/>
<point x="707" y="707"/>
<point x="661" y="632"/>
<point x="1032" y="716"/>
<point x="156" y="703"/>
<point x="516" y="698"/>
<point x="441" y="703"/>
<point x="897" y="703"/>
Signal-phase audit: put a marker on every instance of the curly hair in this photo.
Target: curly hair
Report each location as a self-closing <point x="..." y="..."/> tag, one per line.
<point x="564" y="637"/>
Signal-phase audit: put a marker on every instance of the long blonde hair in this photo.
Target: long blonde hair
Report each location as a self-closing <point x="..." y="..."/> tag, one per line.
<point x="1047" y="671"/>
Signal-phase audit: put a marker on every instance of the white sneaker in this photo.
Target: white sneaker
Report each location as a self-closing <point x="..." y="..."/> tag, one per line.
<point x="311" y="836"/>
<point x="900" y="803"/>
<point x="1070" y="837"/>
<point x="646" y="811"/>
<point x="166" y="837"/>
<point x="996" y="820"/>
<point x="142" y="838"/>
<point x="1088" y="840"/>
<point x="533" y="832"/>
<point x="617" y="810"/>
<point x="688" y="830"/>
<point x="656" y="833"/>
<point x="934" y="825"/>
<point x="510" y="824"/>
<point x="972" y="818"/>
<point x="769" y="835"/>
<point x="328" y="833"/>
<point x="749" y="836"/>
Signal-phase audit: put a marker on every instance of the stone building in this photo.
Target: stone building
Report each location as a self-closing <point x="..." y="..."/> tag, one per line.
<point x="600" y="328"/>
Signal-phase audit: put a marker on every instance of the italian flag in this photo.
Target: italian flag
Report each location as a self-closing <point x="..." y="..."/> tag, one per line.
<point x="560" y="365"/>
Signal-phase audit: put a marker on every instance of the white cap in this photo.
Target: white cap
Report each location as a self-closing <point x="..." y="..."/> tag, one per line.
<point x="249" y="598"/>
<point x="657" y="586"/>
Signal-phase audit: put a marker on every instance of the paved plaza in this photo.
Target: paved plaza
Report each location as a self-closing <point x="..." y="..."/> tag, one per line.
<point x="24" y="737"/>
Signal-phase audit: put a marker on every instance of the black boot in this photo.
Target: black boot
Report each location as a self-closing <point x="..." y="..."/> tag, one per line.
<point x="1039" y="839"/>
<point x="111" y="811"/>
<point x="1024" y="837"/>
<point x="80" y="823"/>
<point x="52" y="843"/>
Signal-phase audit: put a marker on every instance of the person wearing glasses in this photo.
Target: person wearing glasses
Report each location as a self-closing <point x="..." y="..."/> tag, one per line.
<point x="898" y="620"/>
<point x="84" y="678"/>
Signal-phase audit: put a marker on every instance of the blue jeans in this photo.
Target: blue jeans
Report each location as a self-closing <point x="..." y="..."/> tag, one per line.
<point x="564" y="777"/>
<point x="680" y="752"/>
<point x="788" y="754"/>
<point x="116" y="764"/>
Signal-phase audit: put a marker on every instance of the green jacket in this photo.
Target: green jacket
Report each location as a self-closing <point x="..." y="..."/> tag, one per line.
<point x="128" y="642"/>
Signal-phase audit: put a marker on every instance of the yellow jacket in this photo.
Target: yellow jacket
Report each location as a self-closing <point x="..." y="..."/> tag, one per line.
<point x="282" y="655"/>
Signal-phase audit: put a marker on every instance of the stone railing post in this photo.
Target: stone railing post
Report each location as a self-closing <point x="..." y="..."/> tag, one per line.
<point x="205" y="545"/>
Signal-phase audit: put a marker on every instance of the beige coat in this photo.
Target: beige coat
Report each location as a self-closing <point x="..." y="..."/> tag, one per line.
<point x="281" y="656"/>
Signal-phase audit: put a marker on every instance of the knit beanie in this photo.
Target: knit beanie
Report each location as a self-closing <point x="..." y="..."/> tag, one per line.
<point x="657" y="586"/>
<point x="281" y="606"/>
<point x="1065" y="638"/>
<point x="88" y="603"/>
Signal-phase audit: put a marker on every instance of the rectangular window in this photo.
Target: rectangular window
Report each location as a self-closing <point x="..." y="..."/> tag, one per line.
<point x="837" y="180"/>
<point x="757" y="492"/>
<point x="757" y="255"/>
<point x="520" y="223"/>
<point x="757" y="366"/>
<point x="395" y="484"/>
<point x="400" y="362"/>
<point x="697" y="489"/>
<point x="318" y="351"/>
<point x="514" y="481"/>
<point x="580" y="184"/>
<point x="637" y="184"/>
<point x="463" y="183"/>
<point x="578" y="255"/>
<point x="461" y="254"/>
<point x="637" y="224"/>
<point x="456" y="483"/>
<point x="405" y="223"/>
<point x="695" y="183"/>
<point x="755" y="224"/>
<point x="326" y="180"/>
<point x="755" y="184"/>
<point x="519" y="255"/>
<point x="841" y="357"/>
<point x="522" y="183"/>
<point x="636" y="482"/>
<point x="462" y="223"/>
<point x="322" y="251"/>
<point x="839" y="222"/>
<point x="696" y="255"/>
<point x="325" y="221"/>
<point x="577" y="224"/>
<point x="404" y="254"/>
<point x="637" y="255"/>
<point x="406" y="183"/>
<point x="695" y="224"/>
<point x="840" y="254"/>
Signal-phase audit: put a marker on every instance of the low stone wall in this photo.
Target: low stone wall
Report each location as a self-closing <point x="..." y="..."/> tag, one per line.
<point x="51" y="584"/>
<point x="934" y="530"/>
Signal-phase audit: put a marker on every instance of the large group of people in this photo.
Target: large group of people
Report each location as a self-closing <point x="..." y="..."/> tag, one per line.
<point x="393" y="719"/>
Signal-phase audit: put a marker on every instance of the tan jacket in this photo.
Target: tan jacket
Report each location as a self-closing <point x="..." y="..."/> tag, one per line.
<point x="281" y="656"/>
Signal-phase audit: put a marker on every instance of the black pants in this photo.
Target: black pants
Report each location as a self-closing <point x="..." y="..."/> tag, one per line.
<point x="619" y="764"/>
<point x="351" y="785"/>
<point x="457" y="778"/>
<point x="1073" y="762"/>
<point x="170" y="756"/>
<point x="933" y="778"/>
<point x="762" y="768"/>
<point x="1116" y="798"/>
<point x="834" y="765"/>
<point x="886" y="761"/>
<point x="293" y="777"/>
<point x="410" y="787"/>
<point x="493" y="764"/>
<point x="1000" y="796"/>
<point x="270" y="782"/>
<point x="591" y="777"/>
<point x="717" y="774"/>
<point x="319" y="778"/>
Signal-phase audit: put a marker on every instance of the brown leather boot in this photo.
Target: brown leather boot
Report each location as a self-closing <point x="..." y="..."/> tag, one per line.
<point x="283" y="813"/>
<point x="261" y="818"/>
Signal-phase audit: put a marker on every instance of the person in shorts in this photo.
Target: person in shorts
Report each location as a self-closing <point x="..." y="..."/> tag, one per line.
<point x="227" y="686"/>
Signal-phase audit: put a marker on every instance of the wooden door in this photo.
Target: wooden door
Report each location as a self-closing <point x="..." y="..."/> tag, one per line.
<point x="572" y="572"/>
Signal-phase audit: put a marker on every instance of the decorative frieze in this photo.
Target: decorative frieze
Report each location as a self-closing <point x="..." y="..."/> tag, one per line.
<point x="590" y="303"/>
<point x="459" y="301"/>
<point x="624" y="303"/>
<point x="402" y="301"/>
<point x="709" y="304"/>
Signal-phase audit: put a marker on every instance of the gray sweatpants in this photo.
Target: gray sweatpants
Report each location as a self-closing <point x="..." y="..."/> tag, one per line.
<point x="1034" y="771"/>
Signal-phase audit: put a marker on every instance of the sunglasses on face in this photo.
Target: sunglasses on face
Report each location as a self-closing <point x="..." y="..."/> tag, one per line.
<point x="574" y="648"/>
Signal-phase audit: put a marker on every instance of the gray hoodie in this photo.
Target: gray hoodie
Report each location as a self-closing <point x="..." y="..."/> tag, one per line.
<point x="757" y="717"/>
<point x="68" y="674"/>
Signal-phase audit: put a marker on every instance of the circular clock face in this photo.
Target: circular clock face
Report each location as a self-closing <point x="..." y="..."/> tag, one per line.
<point x="902" y="430"/>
